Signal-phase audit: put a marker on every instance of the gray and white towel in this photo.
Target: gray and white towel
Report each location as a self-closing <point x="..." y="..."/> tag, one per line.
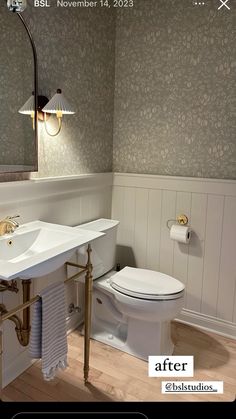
<point x="48" y="338"/>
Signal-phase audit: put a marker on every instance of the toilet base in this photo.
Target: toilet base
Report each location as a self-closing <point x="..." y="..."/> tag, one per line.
<point x="133" y="344"/>
<point x="138" y="338"/>
<point x="145" y="338"/>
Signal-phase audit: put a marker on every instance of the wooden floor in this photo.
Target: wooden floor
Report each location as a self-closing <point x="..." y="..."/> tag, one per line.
<point x="117" y="376"/>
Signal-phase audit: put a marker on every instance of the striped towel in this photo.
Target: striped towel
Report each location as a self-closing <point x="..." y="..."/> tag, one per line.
<point x="48" y="338"/>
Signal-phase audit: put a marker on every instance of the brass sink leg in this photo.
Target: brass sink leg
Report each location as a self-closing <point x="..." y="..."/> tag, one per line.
<point x="88" y="312"/>
<point x="25" y="330"/>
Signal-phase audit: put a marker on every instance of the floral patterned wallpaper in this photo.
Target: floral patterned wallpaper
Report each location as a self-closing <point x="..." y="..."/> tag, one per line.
<point x="175" y="94"/>
<point x="75" y="49"/>
<point x="175" y="100"/>
<point x="16" y="85"/>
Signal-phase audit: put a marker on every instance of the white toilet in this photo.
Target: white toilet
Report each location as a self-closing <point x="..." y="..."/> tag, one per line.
<point x="132" y="308"/>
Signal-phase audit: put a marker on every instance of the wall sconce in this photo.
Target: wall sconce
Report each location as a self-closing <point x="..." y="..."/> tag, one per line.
<point x="28" y="108"/>
<point x="57" y="105"/>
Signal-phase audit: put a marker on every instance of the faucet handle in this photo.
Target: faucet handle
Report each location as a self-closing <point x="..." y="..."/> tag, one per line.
<point x="12" y="217"/>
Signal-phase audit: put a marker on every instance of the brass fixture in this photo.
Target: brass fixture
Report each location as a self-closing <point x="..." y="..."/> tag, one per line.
<point x="181" y="219"/>
<point x="88" y="307"/>
<point x="23" y="333"/>
<point x="8" y="225"/>
<point x="58" y="105"/>
<point x="88" y="312"/>
<point x="23" y="327"/>
<point x="8" y="286"/>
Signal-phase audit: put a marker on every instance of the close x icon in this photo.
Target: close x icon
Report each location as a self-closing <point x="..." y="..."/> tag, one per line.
<point x="224" y="4"/>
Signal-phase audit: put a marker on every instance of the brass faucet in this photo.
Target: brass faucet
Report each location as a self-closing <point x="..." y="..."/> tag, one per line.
<point x="8" y="225"/>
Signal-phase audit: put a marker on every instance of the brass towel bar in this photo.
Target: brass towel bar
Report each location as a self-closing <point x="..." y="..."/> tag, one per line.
<point x="23" y="328"/>
<point x="12" y="312"/>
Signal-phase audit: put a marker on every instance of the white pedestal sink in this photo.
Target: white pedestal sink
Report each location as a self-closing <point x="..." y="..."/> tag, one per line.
<point x="37" y="248"/>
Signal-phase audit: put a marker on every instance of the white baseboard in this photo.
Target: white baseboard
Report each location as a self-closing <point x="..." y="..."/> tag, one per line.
<point x="73" y="323"/>
<point x="209" y="323"/>
<point x="13" y="369"/>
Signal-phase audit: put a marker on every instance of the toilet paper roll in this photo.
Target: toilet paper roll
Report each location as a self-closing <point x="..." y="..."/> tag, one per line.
<point x="181" y="234"/>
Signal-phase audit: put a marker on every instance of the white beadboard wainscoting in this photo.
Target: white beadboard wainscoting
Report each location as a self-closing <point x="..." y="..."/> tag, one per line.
<point x="207" y="266"/>
<point x="68" y="200"/>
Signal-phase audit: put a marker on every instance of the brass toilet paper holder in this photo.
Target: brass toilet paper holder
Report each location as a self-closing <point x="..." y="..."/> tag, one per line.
<point x="181" y="219"/>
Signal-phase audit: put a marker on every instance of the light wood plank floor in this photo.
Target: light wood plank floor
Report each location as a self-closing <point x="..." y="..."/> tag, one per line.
<point x="117" y="376"/>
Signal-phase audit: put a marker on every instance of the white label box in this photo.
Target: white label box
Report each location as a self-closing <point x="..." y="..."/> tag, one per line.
<point x="170" y="366"/>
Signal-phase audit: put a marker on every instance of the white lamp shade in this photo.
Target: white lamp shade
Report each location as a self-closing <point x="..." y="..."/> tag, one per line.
<point x="58" y="103"/>
<point x="28" y="107"/>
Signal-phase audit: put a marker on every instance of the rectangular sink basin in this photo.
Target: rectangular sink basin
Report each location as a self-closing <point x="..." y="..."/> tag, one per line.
<point x="37" y="248"/>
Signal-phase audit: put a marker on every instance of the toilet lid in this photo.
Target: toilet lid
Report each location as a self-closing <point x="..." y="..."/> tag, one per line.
<point x="147" y="284"/>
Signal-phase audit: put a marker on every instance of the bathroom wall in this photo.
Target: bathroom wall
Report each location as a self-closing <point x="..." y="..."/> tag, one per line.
<point x="76" y="53"/>
<point x="167" y="120"/>
<point x="75" y="49"/>
<point x="175" y="96"/>
<point x="207" y="266"/>
<point x="70" y="201"/>
<point x="174" y="115"/>
<point x="16" y="62"/>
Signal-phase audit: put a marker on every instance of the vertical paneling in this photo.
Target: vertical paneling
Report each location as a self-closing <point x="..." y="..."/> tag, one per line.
<point x="92" y="205"/>
<point x="85" y="213"/>
<point x="227" y="281"/>
<point x="129" y="216"/>
<point x="154" y="229"/>
<point x="207" y="266"/>
<point x="167" y="245"/>
<point x="107" y="202"/>
<point x="140" y="231"/>
<point x="118" y="210"/>
<point x="181" y="250"/>
<point x="215" y="209"/>
<point x="196" y="252"/>
<point x="126" y="251"/>
<point x="95" y="207"/>
<point x="123" y="210"/>
<point x="118" y="214"/>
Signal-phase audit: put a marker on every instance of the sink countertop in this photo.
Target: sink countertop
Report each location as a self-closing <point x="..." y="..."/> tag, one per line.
<point x="38" y="248"/>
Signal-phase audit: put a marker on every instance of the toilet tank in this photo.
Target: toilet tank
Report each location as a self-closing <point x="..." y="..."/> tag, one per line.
<point x="103" y="249"/>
